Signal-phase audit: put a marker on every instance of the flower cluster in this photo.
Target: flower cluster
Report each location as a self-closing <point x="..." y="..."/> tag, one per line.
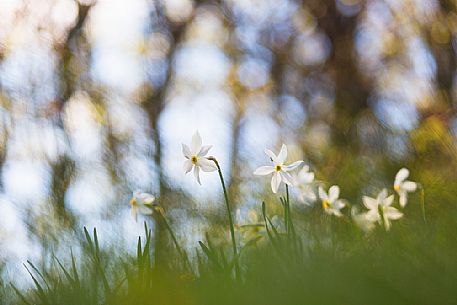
<point x="380" y="209"/>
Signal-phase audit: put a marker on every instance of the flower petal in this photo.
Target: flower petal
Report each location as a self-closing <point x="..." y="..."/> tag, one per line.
<point x="388" y="201"/>
<point x="282" y="156"/>
<point x="286" y="177"/>
<point x="197" y="174"/>
<point x="339" y="204"/>
<point x="144" y="210"/>
<point x="186" y="151"/>
<point x="206" y="165"/>
<point x="403" y="198"/>
<point x="306" y="178"/>
<point x="264" y="170"/>
<point x="134" y="213"/>
<point x="322" y="194"/>
<point x="370" y="203"/>
<point x="204" y="150"/>
<point x="409" y="186"/>
<point x="187" y="166"/>
<point x="292" y="166"/>
<point x="275" y="182"/>
<point x="272" y="155"/>
<point x="401" y="176"/>
<point x="333" y="193"/>
<point x="196" y="143"/>
<point x="373" y="215"/>
<point x="146" y="198"/>
<point x="392" y="213"/>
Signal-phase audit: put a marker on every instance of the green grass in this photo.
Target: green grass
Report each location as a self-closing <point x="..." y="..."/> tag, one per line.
<point x="318" y="259"/>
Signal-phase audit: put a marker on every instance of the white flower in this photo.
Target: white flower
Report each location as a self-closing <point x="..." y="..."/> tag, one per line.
<point x="279" y="170"/>
<point x="380" y="209"/>
<point x="195" y="156"/>
<point x="403" y="186"/>
<point x="141" y="202"/>
<point x="330" y="202"/>
<point x="303" y="183"/>
<point x="361" y="220"/>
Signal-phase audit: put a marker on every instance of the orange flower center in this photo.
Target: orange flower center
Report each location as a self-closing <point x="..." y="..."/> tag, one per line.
<point x="133" y="202"/>
<point x="325" y="204"/>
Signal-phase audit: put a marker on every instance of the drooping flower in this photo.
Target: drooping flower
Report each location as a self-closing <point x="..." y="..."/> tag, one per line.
<point x="403" y="186"/>
<point x="142" y="203"/>
<point x="380" y="209"/>
<point x="330" y="202"/>
<point x="302" y="181"/>
<point x="279" y="170"/>
<point x="195" y="156"/>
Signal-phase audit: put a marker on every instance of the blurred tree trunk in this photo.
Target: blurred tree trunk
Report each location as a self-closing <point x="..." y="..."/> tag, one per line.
<point x="440" y="40"/>
<point x="153" y="104"/>
<point x="62" y="170"/>
<point x="235" y="170"/>
<point x="352" y="89"/>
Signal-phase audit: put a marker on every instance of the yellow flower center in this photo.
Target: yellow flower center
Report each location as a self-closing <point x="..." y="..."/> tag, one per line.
<point x="194" y="159"/>
<point x="133" y="202"/>
<point x="325" y="204"/>
<point x="278" y="168"/>
<point x="397" y="187"/>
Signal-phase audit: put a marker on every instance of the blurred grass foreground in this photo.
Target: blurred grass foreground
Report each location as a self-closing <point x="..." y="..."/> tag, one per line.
<point x="142" y="157"/>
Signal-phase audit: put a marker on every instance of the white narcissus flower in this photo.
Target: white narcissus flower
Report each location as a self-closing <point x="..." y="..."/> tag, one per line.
<point x="380" y="209"/>
<point x="330" y="202"/>
<point x="303" y="183"/>
<point x="361" y="220"/>
<point x="141" y="202"/>
<point x="279" y="170"/>
<point x="403" y="186"/>
<point x="195" y="156"/>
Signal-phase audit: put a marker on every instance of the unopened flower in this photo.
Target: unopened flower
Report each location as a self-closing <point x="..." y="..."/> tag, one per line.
<point x="195" y="156"/>
<point x="330" y="202"/>
<point x="380" y="209"/>
<point x="403" y="186"/>
<point x="279" y="170"/>
<point x="302" y="182"/>
<point x="142" y="203"/>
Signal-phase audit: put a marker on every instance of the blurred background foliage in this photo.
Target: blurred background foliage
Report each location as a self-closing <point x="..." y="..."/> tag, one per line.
<point x="96" y="98"/>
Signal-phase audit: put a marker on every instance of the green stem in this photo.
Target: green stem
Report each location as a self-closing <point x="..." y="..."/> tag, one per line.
<point x="229" y="212"/>
<point x="423" y="203"/>
<point x="175" y="241"/>
<point x="289" y="224"/>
